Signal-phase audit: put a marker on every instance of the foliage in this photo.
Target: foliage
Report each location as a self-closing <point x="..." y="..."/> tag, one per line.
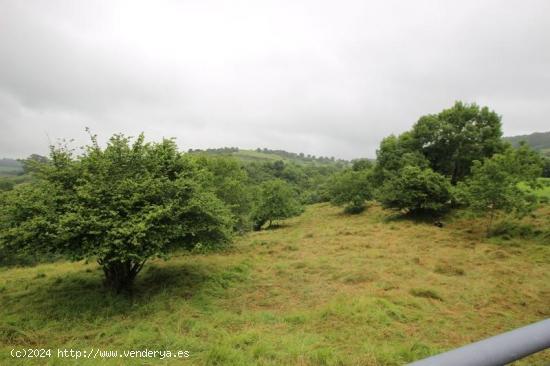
<point x="394" y="153"/>
<point x="447" y="142"/>
<point x="495" y="183"/>
<point x="351" y="188"/>
<point x="33" y="163"/>
<point x="361" y="164"/>
<point x="232" y="186"/>
<point x="546" y="167"/>
<point x="416" y="189"/>
<point x="307" y="174"/>
<point x="264" y="154"/>
<point x="121" y="205"/>
<point x="452" y="139"/>
<point x="510" y="229"/>
<point x="300" y="156"/>
<point x="309" y="181"/>
<point x="276" y="201"/>
<point x="6" y="184"/>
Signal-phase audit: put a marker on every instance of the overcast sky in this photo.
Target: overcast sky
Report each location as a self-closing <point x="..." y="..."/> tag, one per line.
<point x="320" y="77"/>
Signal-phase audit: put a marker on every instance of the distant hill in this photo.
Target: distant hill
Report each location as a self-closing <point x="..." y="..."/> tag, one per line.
<point x="10" y="167"/>
<point x="267" y="155"/>
<point x="539" y="141"/>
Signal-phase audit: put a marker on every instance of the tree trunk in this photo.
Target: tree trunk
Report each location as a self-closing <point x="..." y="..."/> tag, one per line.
<point x="120" y="275"/>
<point x="258" y="225"/>
<point x="454" y="176"/>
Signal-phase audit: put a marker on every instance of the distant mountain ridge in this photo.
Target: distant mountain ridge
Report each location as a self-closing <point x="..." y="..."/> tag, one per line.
<point x="538" y="140"/>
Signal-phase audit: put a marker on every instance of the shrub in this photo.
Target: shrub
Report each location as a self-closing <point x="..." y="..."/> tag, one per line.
<point x="509" y="229"/>
<point x="120" y="205"/>
<point x="276" y="201"/>
<point x="415" y="189"/>
<point x="351" y="188"/>
<point x="495" y="183"/>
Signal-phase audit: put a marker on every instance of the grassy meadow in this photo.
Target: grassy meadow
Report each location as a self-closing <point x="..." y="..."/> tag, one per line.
<point x="325" y="288"/>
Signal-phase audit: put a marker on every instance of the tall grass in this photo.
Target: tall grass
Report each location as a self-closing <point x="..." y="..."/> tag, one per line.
<point x="324" y="289"/>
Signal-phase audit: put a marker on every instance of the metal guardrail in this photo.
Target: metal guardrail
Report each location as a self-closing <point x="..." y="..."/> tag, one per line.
<point x="498" y="350"/>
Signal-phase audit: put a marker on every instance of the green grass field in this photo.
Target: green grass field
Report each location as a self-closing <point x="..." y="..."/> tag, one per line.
<point x="263" y="157"/>
<point x="252" y="155"/>
<point x="324" y="289"/>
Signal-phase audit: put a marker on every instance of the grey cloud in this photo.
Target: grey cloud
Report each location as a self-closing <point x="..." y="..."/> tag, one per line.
<point x="328" y="78"/>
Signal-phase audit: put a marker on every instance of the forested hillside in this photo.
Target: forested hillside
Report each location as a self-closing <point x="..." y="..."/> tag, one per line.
<point x="538" y="140"/>
<point x="264" y="154"/>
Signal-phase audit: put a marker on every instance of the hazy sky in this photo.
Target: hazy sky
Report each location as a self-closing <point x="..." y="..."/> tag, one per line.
<point x="321" y="77"/>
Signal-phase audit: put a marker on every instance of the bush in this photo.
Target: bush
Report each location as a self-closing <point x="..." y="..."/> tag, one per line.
<point x="509" y="229"/>
<point x="120" y="205"/>
<point x="415" y="190"/>
<point x="495" y="184"/>
<point x="6" y="185"/>
<point x="276" y="201"/>
<point x="230" y="183"/>
<point x="351" y="188"/>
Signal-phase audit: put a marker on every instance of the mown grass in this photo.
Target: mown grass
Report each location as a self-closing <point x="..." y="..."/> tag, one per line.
<point x="322" y="289"/>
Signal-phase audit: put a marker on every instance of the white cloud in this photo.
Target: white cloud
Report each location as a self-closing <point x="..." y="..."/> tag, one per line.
<point x="328" y="78"/>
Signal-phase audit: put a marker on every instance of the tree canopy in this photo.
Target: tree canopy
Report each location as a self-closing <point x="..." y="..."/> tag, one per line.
<point x="120" y="205"/>
<point x="448" y="141"/>
<point x="351" y="188"/>
<point x="452" y="139"/>
<point x="276" y="201"/>
<point x="415" y="190"/>
<point x="495" y="183"/>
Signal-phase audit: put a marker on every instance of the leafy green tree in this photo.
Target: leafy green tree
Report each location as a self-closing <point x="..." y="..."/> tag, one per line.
<point x="495" y="183"/>
<point x="351" y="188"/>
<point x="276" y="201"/>
<point x="448" y="142"/>
<point x="231" y="184"/>
<point x="394" y="153"/>
<point x="361" y="164"/>
<point x="308" y="179"/>
<point x="416" y="189"/>
<point x="452" y="139"/>
<point x="33" y="161"/>
<point x="120" y="205"/>
<point x="6" y="184"/>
